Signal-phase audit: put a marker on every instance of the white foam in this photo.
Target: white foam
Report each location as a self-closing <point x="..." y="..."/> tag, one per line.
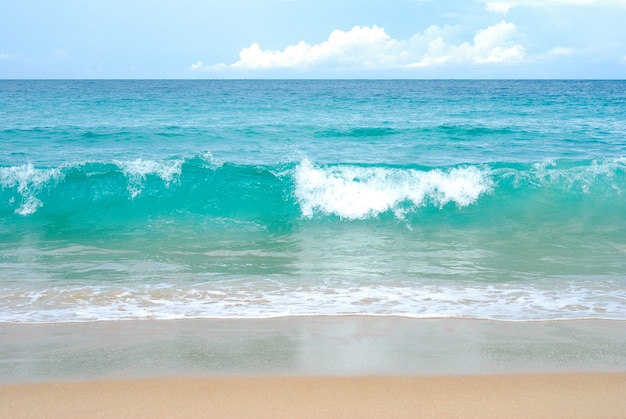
<point x="582" y="177"/>
<point x="213" y="162"/>
<point x="29" y="181"/>
<point x="355" y="192"/>
<point x="275" y="298"/>
<point x="136" y="172"/>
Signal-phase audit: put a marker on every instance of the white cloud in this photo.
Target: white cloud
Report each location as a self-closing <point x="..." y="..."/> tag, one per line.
<point x="197" y="66"/>
<point x="503" y="6"/>
<point x="365" y="47"/>
<point x="498" y="7"/>
<point x="491" y="45"/>
<point x="361" y="45"/>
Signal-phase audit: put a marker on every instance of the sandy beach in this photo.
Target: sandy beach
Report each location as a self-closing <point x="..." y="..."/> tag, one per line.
<point x="347" y="366"/>
<point x="513" y="396"/>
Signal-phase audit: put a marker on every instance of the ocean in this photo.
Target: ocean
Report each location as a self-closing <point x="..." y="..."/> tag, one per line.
<point x="190" y="199"/>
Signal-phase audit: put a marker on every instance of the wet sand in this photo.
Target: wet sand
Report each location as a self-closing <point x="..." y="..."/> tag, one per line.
<point x="314" y="367"/>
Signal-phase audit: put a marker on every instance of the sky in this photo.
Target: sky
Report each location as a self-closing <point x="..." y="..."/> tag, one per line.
<point x="182" y="39"/>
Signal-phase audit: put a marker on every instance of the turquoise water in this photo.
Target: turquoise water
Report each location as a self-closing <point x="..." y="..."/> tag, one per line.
<point x="193" y="199"/>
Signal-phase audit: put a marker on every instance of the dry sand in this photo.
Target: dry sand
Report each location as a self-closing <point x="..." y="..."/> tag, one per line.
<point x="512" y="396"/>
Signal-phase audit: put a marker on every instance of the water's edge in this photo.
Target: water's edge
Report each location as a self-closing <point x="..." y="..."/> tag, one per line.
<point x="318" y="346"/>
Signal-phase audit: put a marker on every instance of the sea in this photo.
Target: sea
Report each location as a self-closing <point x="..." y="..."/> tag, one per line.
<point x="194" y="199"/>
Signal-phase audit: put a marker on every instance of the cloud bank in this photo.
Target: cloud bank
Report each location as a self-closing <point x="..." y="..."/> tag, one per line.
<point x="372" y="48"/>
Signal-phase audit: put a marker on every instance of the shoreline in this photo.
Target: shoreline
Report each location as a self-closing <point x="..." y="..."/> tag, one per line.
<point x="341" y="366"/>
<point x="306" y="346"/>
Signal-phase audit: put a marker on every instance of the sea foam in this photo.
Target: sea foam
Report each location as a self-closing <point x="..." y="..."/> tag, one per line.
<point x="28" y="181"/>
<point x="357" y="192"/>
<point x="582" y="299"/>
<point x="136" y="172"/>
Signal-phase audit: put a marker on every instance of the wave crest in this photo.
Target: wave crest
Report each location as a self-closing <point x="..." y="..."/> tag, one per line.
<point x="28" y="181"/>
<point x="356" y="192"/>
<point x="306" y="190"/>
<point x="137" y="170"/>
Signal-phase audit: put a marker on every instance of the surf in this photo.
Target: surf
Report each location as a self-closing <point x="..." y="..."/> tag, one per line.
<point x="306" y="190"/>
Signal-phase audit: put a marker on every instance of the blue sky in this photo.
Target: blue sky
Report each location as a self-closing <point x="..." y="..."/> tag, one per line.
<point x="313" y="39"/>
